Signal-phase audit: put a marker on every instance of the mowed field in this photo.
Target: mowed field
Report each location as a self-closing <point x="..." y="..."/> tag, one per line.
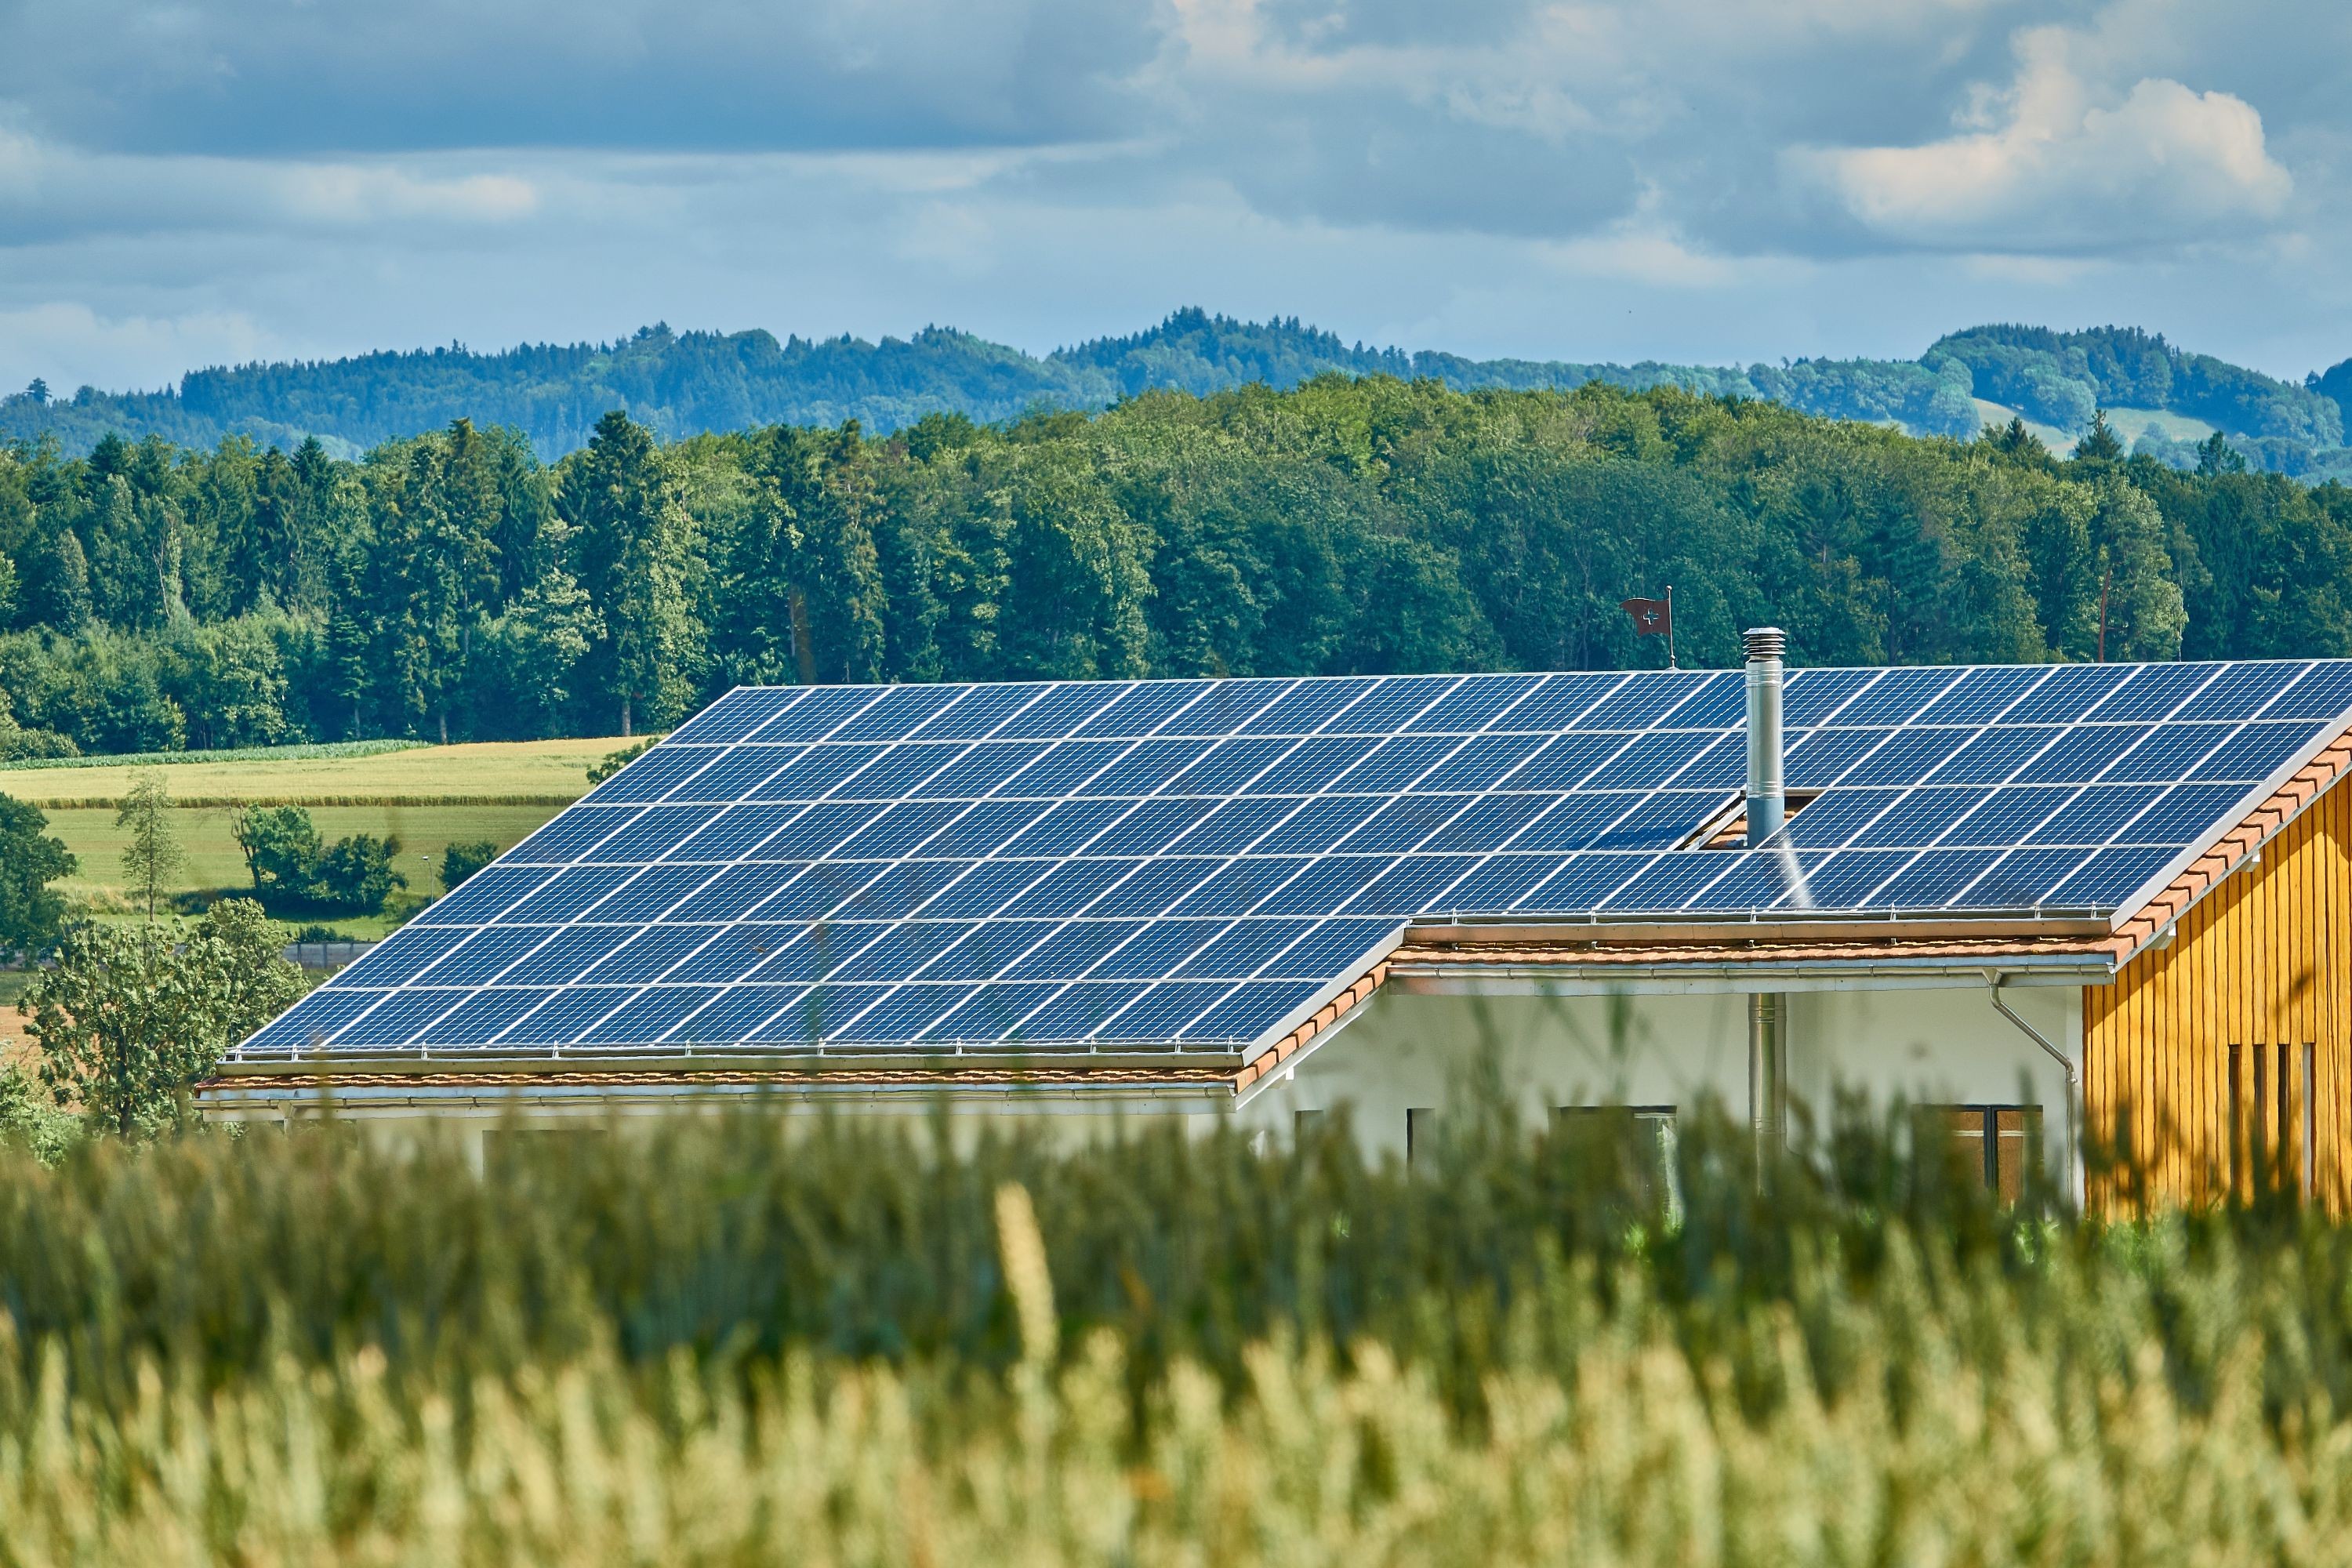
<point x="428" y="798"/>
<point x="527" y="773"/>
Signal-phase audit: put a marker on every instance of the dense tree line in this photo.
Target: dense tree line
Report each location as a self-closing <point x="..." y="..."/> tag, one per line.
<point x="453" y="585"/>
<point x="685" y="384"/>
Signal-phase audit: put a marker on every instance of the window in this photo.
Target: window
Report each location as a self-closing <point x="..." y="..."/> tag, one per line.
<point x="1638" y="1140"/>
<point x="2273" y="1132"/>
<point x="1420" y="1134"/>
<point x="2000" y="1142"/>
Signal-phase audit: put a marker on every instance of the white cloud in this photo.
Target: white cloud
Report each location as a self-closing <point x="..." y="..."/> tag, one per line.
<point x="2054" y="164"/>
<point x="121" y="352"/>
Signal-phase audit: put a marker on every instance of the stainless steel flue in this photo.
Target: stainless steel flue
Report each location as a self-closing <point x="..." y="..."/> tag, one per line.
<point x="1768" y="794"/>
<point x="1768" y="809"/>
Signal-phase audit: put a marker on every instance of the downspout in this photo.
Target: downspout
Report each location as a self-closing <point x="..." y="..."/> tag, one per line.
<point x="1994" y="981"/>
<point x="1767" y="806"/>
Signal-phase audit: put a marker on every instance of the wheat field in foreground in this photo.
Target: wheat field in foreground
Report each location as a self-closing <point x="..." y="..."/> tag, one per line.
<point x="743" y="1341"/>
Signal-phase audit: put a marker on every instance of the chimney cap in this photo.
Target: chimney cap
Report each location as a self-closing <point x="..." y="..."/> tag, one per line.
<point x="1765" y="643"/>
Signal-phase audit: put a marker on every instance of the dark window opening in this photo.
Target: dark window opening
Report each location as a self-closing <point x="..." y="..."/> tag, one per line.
<point x="1420" y="1134"/>
<point x="2000" y="1143"/>
<point x="2273" y="1132"/>
<point x="1635" y="1141"/>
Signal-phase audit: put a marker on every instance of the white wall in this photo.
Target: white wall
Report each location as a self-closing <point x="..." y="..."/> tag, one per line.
<point x="1405" y="1051"/>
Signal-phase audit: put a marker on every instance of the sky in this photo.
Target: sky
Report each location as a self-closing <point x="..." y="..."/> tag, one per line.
<point x="1719" y="181"/>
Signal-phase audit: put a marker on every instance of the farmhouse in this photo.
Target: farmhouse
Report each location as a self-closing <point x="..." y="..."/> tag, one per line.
<point x="2036" y="899"/>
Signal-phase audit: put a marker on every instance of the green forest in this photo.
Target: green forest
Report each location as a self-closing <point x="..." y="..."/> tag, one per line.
<point x="453" y="585"/>
<point x="684" y="383"/>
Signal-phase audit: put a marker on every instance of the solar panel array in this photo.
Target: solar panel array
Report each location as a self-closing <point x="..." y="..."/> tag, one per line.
<point x="1189" y="864"/>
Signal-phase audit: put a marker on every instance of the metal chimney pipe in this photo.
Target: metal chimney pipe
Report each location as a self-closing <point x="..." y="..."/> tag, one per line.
<point x="1768" y="807"/>
<point x="1768" y="795"/>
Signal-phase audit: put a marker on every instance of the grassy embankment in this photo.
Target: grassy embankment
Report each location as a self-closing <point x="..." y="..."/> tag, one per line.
<point x="725" y="1343"/>
<point x="428" y="796"/>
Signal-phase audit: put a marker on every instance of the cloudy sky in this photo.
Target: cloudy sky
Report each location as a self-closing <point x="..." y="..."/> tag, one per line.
<point x="1714" y="180"/>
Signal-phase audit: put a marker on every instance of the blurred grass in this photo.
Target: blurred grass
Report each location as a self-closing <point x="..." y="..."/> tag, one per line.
<point x="740" y="1340"/>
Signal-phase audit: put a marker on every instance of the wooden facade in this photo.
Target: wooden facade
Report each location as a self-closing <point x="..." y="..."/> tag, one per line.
<point x="2229" y="1049"/>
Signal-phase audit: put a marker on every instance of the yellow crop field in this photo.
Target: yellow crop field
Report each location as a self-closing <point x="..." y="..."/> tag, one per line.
<point x="539" y="772"/>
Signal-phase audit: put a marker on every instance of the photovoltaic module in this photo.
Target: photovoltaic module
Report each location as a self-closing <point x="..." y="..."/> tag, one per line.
<point x="1190" y="864"/>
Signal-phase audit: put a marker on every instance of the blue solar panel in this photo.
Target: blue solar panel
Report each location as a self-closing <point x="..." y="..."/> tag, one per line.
<point x="1146" y="768"/>
<point x="1147" y="862"/>
<point x="735" y="775"/>
<point x="1163" y="1010"/>
<point x="1474" y="704"/>
<point x="652" y="953"/>
<point x="980" y="709"/>
<point x="1825" y="757"/>
<point x="1150" y="826"/>
<point x="565" y="1015"/>
<point x="1248" y="1012"/>
<point x="1499" y="883"/>
<point x="2324" y="691"/>
<point x="1810" y="696"/>
<point x="987" y="950"/>
<point x="993" y="1012"/>
<point x="1985" y="695"/>
<point x="1074" y="949"/>
<point x="2254" y="753"/>
<point x="2095" y="814"/>
<point x="487" y="954"/>
<point x="818" y="714"/>
<point x="655" y="774"/>
<point x="1242" y="948"/>
<point x="1561" y="702"/>
<point x="1065" y="828"/>
<point x="397" y="1018"/>
<point x="985" y="828"/>
<point x="736" y="715"/>
<point x="1307" y="706"/>
<point x="649" y="1015"/>
<point x="404" y="954"/>
<point x="902" y="1015"/>
<point x="1391" y="705"/>
<point x="1144" y="708"/>
<point x="1156" y="885"/>
<point x="1897" y="696"/>
<point x="739" y="1013"/>
<point x="481" y="1016"/>
<point x="564" y="895"/>
<point x="1159" y="948"/>
<point x="1226" y="707"/>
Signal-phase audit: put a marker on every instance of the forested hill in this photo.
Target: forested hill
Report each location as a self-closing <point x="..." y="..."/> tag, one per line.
<point x="453" y="585"/>
<point x="2166" y="400"/>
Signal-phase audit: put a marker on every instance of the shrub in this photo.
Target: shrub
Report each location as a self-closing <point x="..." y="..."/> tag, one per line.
<point x="459" y="861"/>
<point x="291" y="871"/>
<point x="357" y="873"/>
<point x="129" y="1017"/>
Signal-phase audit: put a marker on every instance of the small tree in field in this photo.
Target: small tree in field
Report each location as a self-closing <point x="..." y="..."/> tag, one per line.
<point x="152" y="858"/>
<point x="128" y="1018"/>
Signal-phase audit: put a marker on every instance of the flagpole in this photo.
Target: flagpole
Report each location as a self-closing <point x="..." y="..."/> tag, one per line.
<point x="1670" y="629"/>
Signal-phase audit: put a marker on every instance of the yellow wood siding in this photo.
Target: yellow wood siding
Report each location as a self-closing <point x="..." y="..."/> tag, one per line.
<point x="2263" y="964"/>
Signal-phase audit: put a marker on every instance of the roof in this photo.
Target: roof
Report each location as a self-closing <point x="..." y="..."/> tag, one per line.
<point x="1206" y="869"/>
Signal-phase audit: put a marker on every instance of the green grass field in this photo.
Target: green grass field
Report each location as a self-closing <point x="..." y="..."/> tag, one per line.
<point x="526" y="772"/>
<point x="428" y="798"/>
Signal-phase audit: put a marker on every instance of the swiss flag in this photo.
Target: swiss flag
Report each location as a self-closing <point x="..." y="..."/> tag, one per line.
<point x="1652" y="618"/>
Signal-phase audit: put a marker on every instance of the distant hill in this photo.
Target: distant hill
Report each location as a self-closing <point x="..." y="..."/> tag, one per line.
<point x="685" y="383"/>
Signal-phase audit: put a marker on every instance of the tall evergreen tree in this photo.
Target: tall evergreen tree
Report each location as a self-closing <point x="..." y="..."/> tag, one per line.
<point x="632" y="542"/>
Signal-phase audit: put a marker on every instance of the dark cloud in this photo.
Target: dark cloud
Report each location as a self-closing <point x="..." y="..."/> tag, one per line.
<point x="260" y="78"/>
<point x="1588" y="178"/>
